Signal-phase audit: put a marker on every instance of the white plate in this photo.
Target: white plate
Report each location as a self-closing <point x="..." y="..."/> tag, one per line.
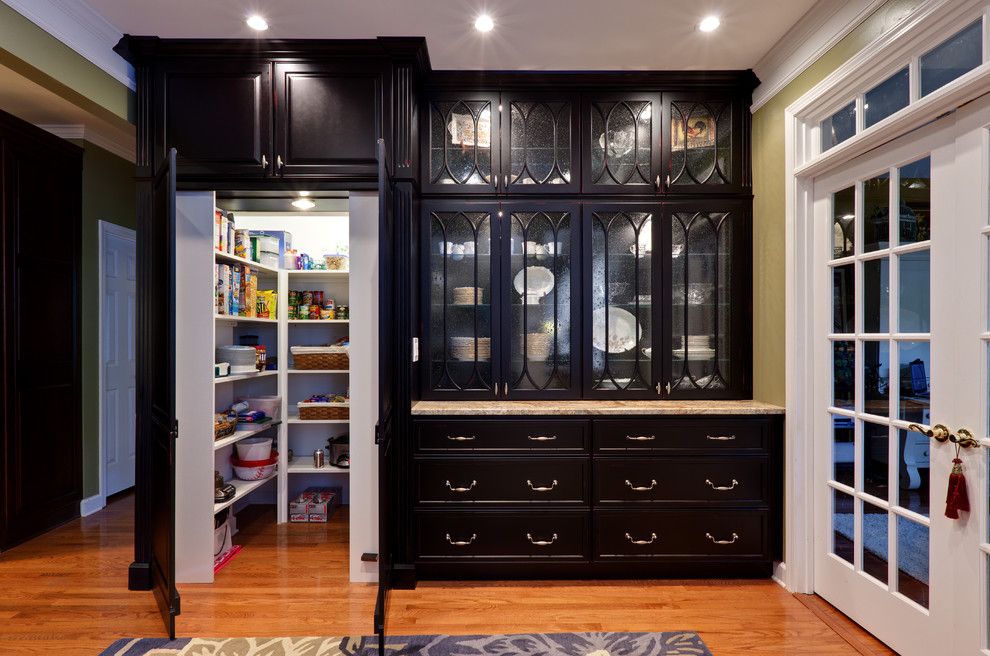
<point x="623" y="330"/>
<point x="538" y="281"/>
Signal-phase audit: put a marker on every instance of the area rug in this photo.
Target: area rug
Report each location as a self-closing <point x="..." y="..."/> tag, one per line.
<point x="913" y="540"/>
<point x="671" y="643"/>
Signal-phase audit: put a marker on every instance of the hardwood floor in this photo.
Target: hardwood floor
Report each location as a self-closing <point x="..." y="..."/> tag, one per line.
<point x="66" y="593"/>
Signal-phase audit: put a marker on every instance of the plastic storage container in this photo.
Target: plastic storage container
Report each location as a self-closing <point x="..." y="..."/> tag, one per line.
<point x="270" y="405"/>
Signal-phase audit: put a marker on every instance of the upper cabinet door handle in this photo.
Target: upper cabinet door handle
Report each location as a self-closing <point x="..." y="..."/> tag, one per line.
<point x="721" y="438"/>
<point x="264" y="163"/>
<point x="641" y="438"/>
<point x="470" y="487"/>
<point x="279" y="163"/>
<point x="658" y="182"/>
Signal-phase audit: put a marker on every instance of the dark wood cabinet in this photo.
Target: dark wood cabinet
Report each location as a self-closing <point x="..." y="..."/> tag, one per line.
<point x="218" y="116"/>
<point x="540" y="143"/>
<point x="460" y="135"/>
<point x="621" y="152"/>
<point x="703" y="142"/>
<point x="326" y="119"/>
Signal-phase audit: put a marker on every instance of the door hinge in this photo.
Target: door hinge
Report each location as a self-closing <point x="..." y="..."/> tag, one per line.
<point x="378" y="434"/>
<point x="369" y="558"/>
<point x="174" y="433"/>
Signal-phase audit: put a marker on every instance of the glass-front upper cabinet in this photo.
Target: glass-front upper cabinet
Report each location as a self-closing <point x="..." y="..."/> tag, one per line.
<point x="702" y="143"/>
<point x="621" y="288"/>
<point x="461" y="143"/>
<point x="622" y="149"/>
<point x="708" y="324"/>
<point x="540" y="301"/>
<point x="539" y="143"/>
<point x="460" y="272"/>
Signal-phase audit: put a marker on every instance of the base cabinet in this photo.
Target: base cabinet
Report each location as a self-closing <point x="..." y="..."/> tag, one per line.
<point x="684" y="496"/>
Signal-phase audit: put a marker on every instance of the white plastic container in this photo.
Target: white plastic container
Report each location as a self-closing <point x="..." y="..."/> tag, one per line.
<point x="254" y="448"/>
<point x="270" y="405"/>
<point x="268" y="259"/>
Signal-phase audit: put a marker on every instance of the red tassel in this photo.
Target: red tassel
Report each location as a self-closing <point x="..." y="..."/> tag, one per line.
<point x="957" y="498"/>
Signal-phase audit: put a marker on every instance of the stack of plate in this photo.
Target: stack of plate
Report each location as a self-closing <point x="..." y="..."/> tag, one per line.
<point x="538" y="346"/>
<point x="697" y="345"/>
<point x="463" y="348"/>
<point x="468" y="295"/>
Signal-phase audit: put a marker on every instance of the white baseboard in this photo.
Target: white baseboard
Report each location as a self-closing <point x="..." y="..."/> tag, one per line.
<point x="92" y="504"/>
<point x="780" y="574"/>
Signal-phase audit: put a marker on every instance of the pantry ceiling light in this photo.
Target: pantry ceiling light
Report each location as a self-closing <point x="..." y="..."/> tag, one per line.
<point x="256" y="22"/>
<point x="484" y="23"/>
<point x="303" y="204"/>
<point x="304" y="193"/>
<point x="709" y="24"/>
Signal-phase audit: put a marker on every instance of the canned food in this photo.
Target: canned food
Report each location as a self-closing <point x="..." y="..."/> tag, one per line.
<point x="307" y="298"/>
<point x="318" y="458"/>
<point x="343" y="312"/>
<point x="293" y="297"/>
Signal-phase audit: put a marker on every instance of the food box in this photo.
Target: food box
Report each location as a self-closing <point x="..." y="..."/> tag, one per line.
<point x="315" y="505"/>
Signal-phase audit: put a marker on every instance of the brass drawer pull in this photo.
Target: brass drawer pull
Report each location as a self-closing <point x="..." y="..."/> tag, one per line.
<point x="642" y="488"/>
<point x="721" y="438"/>
<point x="460" y="438"/>
<point x="537" y="488"/>
<point x="542" y="438"/>
<point x="653" y="538"/>
<point x="641" y="438"/>
<point x="723" y="488"/>
<point x="462" y="543"/>
<point x="735" y="536"/>
<point x="461" y="489"/>
<point x="541" y="543"/>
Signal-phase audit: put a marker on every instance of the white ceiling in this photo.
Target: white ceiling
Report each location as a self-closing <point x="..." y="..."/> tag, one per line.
<point x="528" y="34"/>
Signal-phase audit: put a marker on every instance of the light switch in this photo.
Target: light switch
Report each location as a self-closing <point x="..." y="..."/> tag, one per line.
<point x="415" y="349"/>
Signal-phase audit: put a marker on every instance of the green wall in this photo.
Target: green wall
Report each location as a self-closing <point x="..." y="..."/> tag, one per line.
<point x="768" y="205"/>
<point x="108" y="195"/>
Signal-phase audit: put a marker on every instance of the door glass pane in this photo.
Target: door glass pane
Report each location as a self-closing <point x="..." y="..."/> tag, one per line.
<point x="915" y="382"/>
<point x="915" y="450"/>
<point x="876" y="295"/>
<point x="461" y="142"/>
<point x="700" y="143"/>
<point x="843" y="222"/>
<point x="875" y="543"/>
<point x="843" y="299"/>
<point x="957" y="55"/>
<point x="875" y="458"/>
<point x="621" y="142"/>
<point x="876" y="378"/>
<point x="621" y="300"/>
<point x="843" y="374"/>
<point x="876" y="213"/>
<point x="915" y="201"/>
<point x="839" y="126"/>
<point x="912" y="560"/>
<point x="540" y="143"/>
<point x="843" y="450"/>
<point x="460" y="301"/>
<point x="843" y="536"/>
<point x="886" y="98"/>
<point x="701" y="287"/>
<point x="540" y="307"/>
<point x="915" y="293"/>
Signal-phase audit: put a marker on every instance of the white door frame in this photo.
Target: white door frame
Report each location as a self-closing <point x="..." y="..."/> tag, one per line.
<point x="928" y="25"/>
<point x="94" y="503"/>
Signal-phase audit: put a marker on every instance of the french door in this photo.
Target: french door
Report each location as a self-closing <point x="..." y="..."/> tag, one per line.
<point x="902" y="344"/>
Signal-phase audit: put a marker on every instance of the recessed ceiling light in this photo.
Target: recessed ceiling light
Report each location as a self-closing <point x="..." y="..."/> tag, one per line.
<point x="709" y="24"/>
<point x="484" y="23"/>
<point x="256" y="22"/>
<point x="304" y="193"/>
<point x="303" y="204"/>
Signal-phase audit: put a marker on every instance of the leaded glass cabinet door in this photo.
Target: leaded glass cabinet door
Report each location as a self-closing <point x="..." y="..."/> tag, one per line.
<point x="461" y="269"/>
<point x="540" y="151"/>
<point x="622" y="143"/>
<point x="621" y="283"/>
<point x="540" y="300"/>
<point x="708" y="325"/>
<point x="461" y="143"/>
<point x="703" y="137"/>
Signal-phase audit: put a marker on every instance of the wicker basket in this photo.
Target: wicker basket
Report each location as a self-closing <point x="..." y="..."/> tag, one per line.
<point x="328" y="357"/>
<point x="222" y="429"/>
<point x="317" y="411"/>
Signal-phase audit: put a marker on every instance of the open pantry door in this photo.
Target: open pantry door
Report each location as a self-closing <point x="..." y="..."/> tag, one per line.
<point x="385" y="428"/>
<point x="156" y="389"/>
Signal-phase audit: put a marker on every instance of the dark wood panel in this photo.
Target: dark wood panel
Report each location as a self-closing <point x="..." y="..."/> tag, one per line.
<point x="502" y="535"/>
<point x="681" y="533"/>
<point x="481" y="435"/>
<point x="710" y="434"/>
<point x="704" y="480"/>
<point x="503" y="480"/>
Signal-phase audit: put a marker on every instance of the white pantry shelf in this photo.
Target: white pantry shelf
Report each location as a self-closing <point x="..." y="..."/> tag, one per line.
<point x="319" y="371"/>
<point x="233" y="378"/>
<point x="301" y="465"/>
<point x="316" y="321"/>
<point x="317" y="275"/>
<point x="241" y="433"/>
<point x="227" y="258"/>
<point x="294" y="419"/>
<point x="243" y="488"/>
<point x="229" y="318"/>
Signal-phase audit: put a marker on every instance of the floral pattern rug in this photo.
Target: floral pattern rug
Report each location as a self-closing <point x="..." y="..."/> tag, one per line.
<point x="671" y="643"/>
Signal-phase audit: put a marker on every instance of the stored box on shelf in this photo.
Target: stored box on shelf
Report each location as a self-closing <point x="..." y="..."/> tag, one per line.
<point x="314" y="505"/>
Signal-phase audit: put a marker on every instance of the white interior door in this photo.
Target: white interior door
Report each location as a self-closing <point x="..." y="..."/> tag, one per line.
<point x="118" y="315"/>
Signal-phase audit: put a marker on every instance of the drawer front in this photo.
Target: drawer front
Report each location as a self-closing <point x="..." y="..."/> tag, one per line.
<point x="681" y="533"/>
<point x="708" y="434"/>
<point x="495" y="435"/>
<point x="503" y="480"/>
<point x="454" y="535"/>
<point x="711" y="479"/>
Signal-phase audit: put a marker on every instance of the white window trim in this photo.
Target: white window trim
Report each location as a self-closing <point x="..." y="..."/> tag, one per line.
<point x="926" y="27"/>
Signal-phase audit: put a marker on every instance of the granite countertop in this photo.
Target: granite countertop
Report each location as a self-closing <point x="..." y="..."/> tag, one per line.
<point x="448" y="408"/>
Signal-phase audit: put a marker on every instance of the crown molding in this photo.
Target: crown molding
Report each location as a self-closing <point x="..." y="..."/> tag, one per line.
<point x="815" y="33"/>
<point x="122" y="146"/>
<point x="81" y="28"/>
